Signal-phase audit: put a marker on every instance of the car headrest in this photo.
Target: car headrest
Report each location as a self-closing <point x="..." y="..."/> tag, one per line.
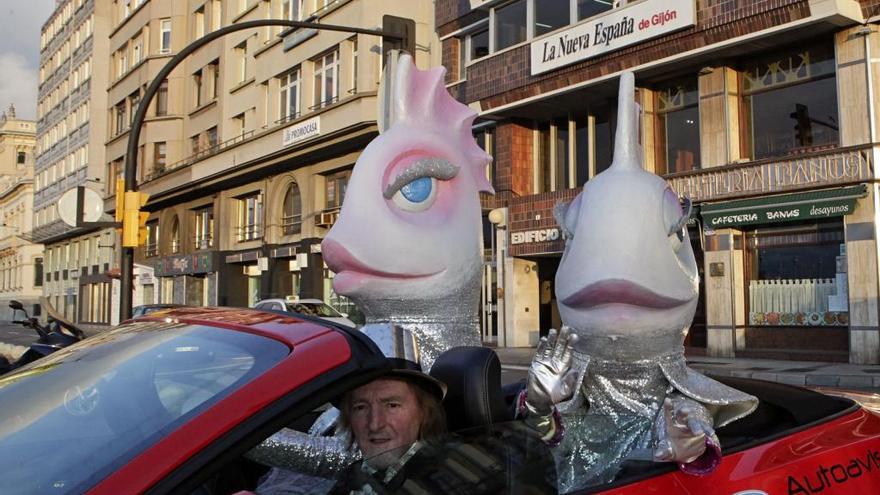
<point x="473" y="378"/>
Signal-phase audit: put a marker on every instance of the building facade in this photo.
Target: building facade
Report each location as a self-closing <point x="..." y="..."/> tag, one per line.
<point x="764" y="114"/>
<point x="71" y="123"/>
<point x="247" y="149"/>
<point x="21" y="261"/>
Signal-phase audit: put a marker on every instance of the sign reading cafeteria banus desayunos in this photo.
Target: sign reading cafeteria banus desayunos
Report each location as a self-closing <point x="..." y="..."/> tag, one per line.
<point x="617" y="29"/>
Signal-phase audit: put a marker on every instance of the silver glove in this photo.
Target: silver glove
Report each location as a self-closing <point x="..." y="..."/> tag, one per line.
<point x="682" y="431"/>
<point x="551" y="379"/>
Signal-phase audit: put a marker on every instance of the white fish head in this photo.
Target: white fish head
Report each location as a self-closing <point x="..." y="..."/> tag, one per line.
<point x="628" y="269"/>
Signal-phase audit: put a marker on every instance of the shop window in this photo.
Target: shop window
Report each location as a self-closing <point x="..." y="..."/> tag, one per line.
<point x="326" y="88"/>
<point x="510" y="24"/>
<point x="589" y="8"/>
<point x="551" y="15"/>
<point x="335" y="186"/>
<point x="790" y="102"/>
<point x="291" y="221"/>
<point x="203" y="228"/>
<point x="290" y="95"/>
<point x="175" y="236"/>
<point x="678" y="127"/>
<point x="151" y="247"/>
<point x="250" y="217"/>
<point x="796" y="276"/>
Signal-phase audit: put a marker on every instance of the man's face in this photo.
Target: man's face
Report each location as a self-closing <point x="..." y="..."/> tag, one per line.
<point x="385" y="418"/>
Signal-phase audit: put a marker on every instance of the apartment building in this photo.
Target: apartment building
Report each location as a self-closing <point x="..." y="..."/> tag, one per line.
<point x="21" y="261"/>
<point x="248" y="147"/>
<point x="763" y="113"/>
<point x="71" y="118"/>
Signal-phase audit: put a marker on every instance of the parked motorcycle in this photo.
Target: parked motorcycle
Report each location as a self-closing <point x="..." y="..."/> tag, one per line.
<point x="56" y="334"/>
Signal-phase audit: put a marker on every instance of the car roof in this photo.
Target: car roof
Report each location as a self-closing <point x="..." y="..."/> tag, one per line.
<point x="308" y="301"/>
<point x="286" y="328"/>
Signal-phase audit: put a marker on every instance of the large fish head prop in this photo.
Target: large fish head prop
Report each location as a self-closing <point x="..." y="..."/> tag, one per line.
<point x="410" y="227"/>
<point x="628" y="271"/>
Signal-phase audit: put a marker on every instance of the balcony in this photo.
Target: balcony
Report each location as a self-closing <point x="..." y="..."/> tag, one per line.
<point x="250" y="232"/>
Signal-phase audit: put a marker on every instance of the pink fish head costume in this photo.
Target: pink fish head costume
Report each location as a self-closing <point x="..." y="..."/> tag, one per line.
<point x="627" y="287"/>
<point x="407" y="246"/>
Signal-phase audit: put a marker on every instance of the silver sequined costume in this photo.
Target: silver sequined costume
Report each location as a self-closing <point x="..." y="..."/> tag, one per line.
<point x="611" y="417"/>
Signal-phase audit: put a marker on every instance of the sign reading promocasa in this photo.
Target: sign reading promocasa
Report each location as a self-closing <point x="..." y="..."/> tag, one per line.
<point x="301" y="131"/>
<point x="540" y="235"/>
<point x="619" y="28"/>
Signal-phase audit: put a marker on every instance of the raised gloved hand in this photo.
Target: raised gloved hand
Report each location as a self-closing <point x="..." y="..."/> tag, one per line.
<point x="684" y="434"/>
<point x="551" y="379"/>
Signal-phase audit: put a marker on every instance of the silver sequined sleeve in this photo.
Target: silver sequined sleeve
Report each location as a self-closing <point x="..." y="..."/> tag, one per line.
<point x="304" y="453"/>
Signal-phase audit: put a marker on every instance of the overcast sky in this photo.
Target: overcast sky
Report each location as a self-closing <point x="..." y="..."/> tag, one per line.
<point x="20" y="22"/>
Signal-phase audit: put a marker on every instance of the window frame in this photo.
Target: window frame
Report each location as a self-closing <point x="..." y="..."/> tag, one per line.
<point x="285" y="86"/>
<point x="321" y="69"/>
<point x="250" y="221"/>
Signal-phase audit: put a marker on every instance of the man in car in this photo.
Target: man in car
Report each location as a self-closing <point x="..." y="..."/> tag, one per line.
<point x="390" y="419"/>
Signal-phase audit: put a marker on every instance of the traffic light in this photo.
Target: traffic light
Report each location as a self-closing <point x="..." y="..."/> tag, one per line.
<point x="803" y="128"/>
<point x="403" y="35"/>
<point x="133" y="219"/>
<point x="120" y="199"/>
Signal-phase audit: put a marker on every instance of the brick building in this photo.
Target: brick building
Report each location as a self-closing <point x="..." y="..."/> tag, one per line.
<point x="764" y="113"/>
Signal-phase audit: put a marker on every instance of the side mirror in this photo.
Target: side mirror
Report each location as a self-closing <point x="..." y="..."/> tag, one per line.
<point x="15" y="305"/>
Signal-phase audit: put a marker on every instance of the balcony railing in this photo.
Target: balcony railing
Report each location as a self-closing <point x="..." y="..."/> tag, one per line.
<point x="151" y="249"/>
<point x="205" y="242"/>
<point x="250" y="232"/>
<point x="200" y="155"/>
<point x="291" y="224"/>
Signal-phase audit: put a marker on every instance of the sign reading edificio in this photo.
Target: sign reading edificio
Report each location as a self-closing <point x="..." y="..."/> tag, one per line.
<point x="301" y="131"/>
<point x="619" y="28"/>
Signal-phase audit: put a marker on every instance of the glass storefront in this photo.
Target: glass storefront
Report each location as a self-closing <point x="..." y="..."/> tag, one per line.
<point x="796" y="275"/>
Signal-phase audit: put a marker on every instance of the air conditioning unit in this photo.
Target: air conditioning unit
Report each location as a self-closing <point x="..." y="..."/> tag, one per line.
<point x="326" y="219"/>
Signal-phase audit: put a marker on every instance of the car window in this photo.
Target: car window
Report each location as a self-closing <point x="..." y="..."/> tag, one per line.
<point x="103" y="401"/>
<point x="321" y="310"/>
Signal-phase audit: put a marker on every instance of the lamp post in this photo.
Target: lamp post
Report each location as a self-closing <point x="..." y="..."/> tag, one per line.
<point x="393" y="31"/>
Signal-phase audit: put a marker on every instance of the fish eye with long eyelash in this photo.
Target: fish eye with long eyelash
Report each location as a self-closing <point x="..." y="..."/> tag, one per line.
<point x="676" y="216"/>
<point x="415" y="188"/>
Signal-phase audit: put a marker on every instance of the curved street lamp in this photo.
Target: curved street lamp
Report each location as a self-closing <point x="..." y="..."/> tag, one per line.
<point x="130" y="172"/>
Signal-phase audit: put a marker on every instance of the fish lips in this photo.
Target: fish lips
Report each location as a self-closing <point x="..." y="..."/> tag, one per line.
<point x="607" y="292"/>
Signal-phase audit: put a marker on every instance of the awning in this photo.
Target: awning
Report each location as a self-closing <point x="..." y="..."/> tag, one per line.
<point x="783" y="208"/>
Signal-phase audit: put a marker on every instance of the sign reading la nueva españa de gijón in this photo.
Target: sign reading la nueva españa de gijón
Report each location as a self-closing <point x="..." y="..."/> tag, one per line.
<point x="613" y="31"/>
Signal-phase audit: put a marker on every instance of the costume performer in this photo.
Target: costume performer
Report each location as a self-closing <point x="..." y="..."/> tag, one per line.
<point x="407" y="247"/>
<point x="614" y="385"/>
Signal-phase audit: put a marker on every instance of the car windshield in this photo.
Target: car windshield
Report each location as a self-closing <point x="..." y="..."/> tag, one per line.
<point x="74" y="417"/>
<point x="314" y="309"/>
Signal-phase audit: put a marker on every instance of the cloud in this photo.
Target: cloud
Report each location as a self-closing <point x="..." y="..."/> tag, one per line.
<point x="20" y="23"/>
<point x="18" y="85"/>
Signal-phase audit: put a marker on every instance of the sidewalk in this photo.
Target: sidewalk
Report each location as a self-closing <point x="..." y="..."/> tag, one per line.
<point x="804" y="373"/>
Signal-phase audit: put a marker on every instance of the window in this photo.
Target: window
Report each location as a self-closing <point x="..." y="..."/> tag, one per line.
<point x="554" y="159"/>
<point x="197" y="80"/>
<point x="199" y="23"/>
<point x="781" y="112"/>
<point x="214" y="68"/>
<point x="291" y="222"/>
<point x="212" y="138"/>
<point x="137" y="51"/>
<point x="165" y="36"/>
<point x="551" y="15"/>
<point x="38" y="272"/>
<point x="162" y="99"/>
<point x="241" y="59"/>
<point x="238" y="122"/>
<point x="195" y="144"/>
<point x="678" y="127"/>
<point x="486" y="140"/>
<point x="326" y="79"/>
<point x="250" y="214"/>
<point x="335" y="187"/>
<point x="134" y="101"/>
<point x="354" y="64"/>
<point x="215" y="15"/>
<point x="175" y="236"/>
<point x="589" y="8"/>
<point x="510" y="24"/>
<point x="20" y="158"/>
<point x="203" y="228"/>
<point x="121" y="120"/>
<point x="160" y="156"/>
<point x="290" y="94"/>
<point x="292" y="10"/>
<point x="151" y="247"/>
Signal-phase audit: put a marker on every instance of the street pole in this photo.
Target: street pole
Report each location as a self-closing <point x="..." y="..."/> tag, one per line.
<point x="130" y="172"/>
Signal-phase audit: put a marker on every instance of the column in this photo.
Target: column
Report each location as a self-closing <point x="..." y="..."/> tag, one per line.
<point x="725" y="293"/>
<point x="862" y="277"/>
<point x="719" y="117"/>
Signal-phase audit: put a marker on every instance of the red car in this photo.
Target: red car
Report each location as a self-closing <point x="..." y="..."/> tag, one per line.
<point x="171" y="402"/>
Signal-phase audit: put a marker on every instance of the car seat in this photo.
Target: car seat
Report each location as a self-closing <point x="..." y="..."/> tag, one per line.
<point x="473" y="379"/>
